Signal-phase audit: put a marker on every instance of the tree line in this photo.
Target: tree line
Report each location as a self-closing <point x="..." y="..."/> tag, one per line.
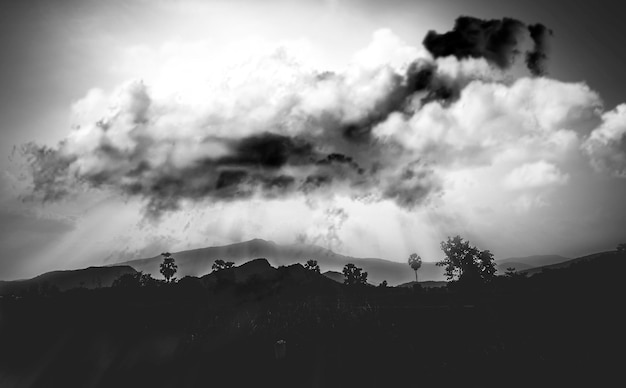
<point x="464" y="264"/>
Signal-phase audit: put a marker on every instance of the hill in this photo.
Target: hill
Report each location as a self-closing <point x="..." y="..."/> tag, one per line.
<point x="335" y="276"/>
<point x="198" y="262"/>
<point x="92" y="277"/>
<point x="568" y="263"/>
<point x="528" y="262"/>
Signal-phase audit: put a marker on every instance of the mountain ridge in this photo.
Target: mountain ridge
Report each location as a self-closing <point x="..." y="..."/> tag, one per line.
<point x="63" y="280"/>
<point x="197" y="262"/>
<point x="569" y="262"/>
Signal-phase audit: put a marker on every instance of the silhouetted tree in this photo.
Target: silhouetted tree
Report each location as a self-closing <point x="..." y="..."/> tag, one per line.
<point x="311" y="265"/>
<point x="465" y="262"/>
<point x="383" y="284"/>
<point x="134" y="280"/>
<point x="220" y="265"/>
<point x="354" y="275"/>
<point x="513" y="279"/>
<point x="168" y="267"/>
<point x="486" y="266"/>
<point x="510" y="272"/>
<point x="415" y="262"/>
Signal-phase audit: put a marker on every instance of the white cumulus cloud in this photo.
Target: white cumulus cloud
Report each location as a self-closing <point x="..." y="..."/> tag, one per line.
<point x="535" y="175"/>
<point x="606" y="146"/>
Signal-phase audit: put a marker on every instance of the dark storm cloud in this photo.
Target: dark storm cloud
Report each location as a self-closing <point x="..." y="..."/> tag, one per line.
<point x="49" y="171"/>
<point x="423" y="77"/>
<point x="340" y="159"/>
<point x="414" y="182"/>
<point x="498" y="41"/>
<point x="537" y="58"/>
<point x="268" y="150"/>
<point x="271" y="165"/>
<point x="254" y="166"/>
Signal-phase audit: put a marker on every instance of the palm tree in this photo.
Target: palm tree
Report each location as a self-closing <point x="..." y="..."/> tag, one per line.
<point x="415" y="262"/>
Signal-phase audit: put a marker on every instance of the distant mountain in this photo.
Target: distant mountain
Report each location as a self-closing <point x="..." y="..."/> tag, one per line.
<point x="258" y="268"/>
<point x="255" y="258"/>
<point x="503" y="267"/>
<point x="92" y="277"/>
<point x="198" y="262"/>
<point x="569" y="262"/>
<point x="529" y="262"/>
<point x="293" y="276"/>
<point x="336" y="276"/>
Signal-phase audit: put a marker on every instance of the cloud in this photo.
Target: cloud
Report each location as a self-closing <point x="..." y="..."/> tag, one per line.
<point x="535" y="175"/>
<point x="531" y="117"/>
<point x="326" y="228"/>
<point x="606" y="146"/>
<point x="498" y="41"/>
<point x="536" y="60"/>
<point x="269" y="127"/>
<point x="526" y="202"/>
<point x="387" y="49"/>
<point x="390" y="126"/>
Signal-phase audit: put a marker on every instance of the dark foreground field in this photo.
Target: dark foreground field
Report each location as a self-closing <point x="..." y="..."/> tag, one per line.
<point x="557" y="328"/>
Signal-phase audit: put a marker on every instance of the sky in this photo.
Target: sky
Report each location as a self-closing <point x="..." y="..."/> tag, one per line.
<point x="132" y="127"/>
